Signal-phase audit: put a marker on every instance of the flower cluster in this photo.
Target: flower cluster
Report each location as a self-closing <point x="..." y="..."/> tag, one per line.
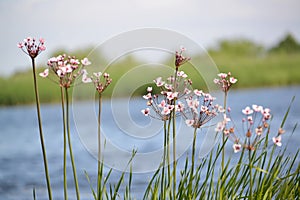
<point x="96" y="79"/>
<point x="66" y="68"/>
<point x="225" y="81"/>
<point x="174" y="88"/>
<point x="180" y="59"/>
<point x="255" y="125"/>
<point x="31" y="47"/>
<point x="200" y="109"/>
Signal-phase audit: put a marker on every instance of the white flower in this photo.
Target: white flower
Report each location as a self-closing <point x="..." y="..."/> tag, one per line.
<point x="236" y="147"/>
<point x="45" y="73"/>
<point x="85" y="62"/>
<point x="277" y="140"/>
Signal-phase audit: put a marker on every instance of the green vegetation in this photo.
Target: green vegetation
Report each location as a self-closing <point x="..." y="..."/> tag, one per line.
<point x="254" y="65"/>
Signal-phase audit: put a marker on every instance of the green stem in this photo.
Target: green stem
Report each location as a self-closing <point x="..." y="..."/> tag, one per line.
<point x="65" y="144"/>
<point x="174" y="152"/>
<point x="70" y="145"/>
<point x="168" y="152"/>
<point x="223" y="153"/>
<point x="162" y="188"/>
<point x="99" y="149"/>
<point x="193" y="162"/>
<point x="37" y="100"/>
<point x="250" y="175"/>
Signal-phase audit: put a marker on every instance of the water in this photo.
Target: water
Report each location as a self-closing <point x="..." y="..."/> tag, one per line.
<point x="21" y="166"/>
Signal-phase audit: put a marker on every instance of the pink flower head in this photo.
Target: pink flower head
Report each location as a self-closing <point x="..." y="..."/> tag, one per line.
<point x="97" y="74"/>
<point x="179" y="107"/>
<point x="44" y="73"/>
<point x="180" y="59"/>
<point x="247" y="111"/>
<point x="146" y="111"/>
<point x="166" y="110"/>
<point x="31" y="47"/>
<point x="277" y="140"/>
<point x="232" y="80"/>
<point x="159" y="82"/>
<point x="86" y="79"/>
<point x="147" y="96"/>
<point x="222" y="75"/>
<point x="149" y="89"/>
<point x="198" y="92"/>
<point x="85" y="62"/>
<point x="172" y="95"/>
<point x="105" y="75"/>
<point x="181" y="74"/>
<point x="257" y="108"/>
<point x="237" y="147"/>
<point x="189" y="122"/>
<point x="162" y="104"/>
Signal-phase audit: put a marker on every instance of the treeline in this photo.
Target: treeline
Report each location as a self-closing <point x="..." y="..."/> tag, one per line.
<point x="253" y="64"/>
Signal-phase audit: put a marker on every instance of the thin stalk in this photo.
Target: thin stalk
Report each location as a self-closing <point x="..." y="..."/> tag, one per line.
<point x="168" y="151"/>
<point x="37" y="100"/>
<point x="174" y="152"/>
<point x="99" y="149"/>
<point x="65" y="144"/>
<point x="250" y="175"/>
<point x="193" y="162"/>
<point x="162" y="187"/>
<point x="223" y="152"/>
<point x="70" y="145"/>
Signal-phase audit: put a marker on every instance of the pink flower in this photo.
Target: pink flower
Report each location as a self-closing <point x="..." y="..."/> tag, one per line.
<point x="97" y="74"/>
<point x="259" y="130"/>
<point x="159" y="82"/>
<point x="172" y="95"/>
<point x="85" y="62"/>
<point x="20" y="45"/>
<point x="257" y="108"/>
<point x="162" y="104"/>
<point x="86" y="79"/>
<point x="149" y="89"/>
<point x="222" y="75"/>
<point x="220" y="126"/>
<point x="165" y="111"/>
<point x="237" y="147"/>
<point x="189" y="122"/>
<point x="277" y="140"/>
<point x="233" y="80"/>
<point x="105" y="75"/>
<point x="179" y="107"/>
<point x="247" y="111"/>
<point x="147" y="96"/>
<point x="146" y="111"/>
<point x="198" y="92"/>
<point x="181" y="74"/>
<point x="44" y="73"/>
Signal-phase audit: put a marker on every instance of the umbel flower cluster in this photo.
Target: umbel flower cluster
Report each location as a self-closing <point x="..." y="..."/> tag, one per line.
<point x="66" y="68"/>
<point x="255" y="126"/>
<point x="32" y="47"/>
<point x="177" y="94"/>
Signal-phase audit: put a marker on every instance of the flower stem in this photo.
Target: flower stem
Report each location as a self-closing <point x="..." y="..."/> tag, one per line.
<point x="99" y="176"/>
<point x="65" y="144"/>
<point x="163" y="190"/>
<point x="37" y="100"/>
<point x="193" y="162"/>
<point x="174" y="153"/>
<point x="250" y="175"/>
<point x="70" y="145"/>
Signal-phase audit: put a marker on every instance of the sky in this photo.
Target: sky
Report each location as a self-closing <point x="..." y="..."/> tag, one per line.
<point x="73" y="24"/>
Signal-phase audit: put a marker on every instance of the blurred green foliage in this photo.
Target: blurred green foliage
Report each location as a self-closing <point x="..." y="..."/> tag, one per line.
<point x="253" y="65"/>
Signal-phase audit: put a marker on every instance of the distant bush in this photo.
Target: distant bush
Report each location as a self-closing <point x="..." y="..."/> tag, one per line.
<point x="287" y="45"/>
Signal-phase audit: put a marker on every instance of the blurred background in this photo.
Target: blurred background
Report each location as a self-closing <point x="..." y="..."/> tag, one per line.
<point x="258" y="41"/>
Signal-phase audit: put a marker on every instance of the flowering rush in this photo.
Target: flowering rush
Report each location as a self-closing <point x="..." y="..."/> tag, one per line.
<point x="171" y="89"/>
<point x="179" y="58"/>
<point x="96" y="78"/>
<point x="66" y="68"/>
<point x="255" y="126"/>
<point x="32" y="47"/>
<point x="225" y="81"/>
<point x="200" y="109"/>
